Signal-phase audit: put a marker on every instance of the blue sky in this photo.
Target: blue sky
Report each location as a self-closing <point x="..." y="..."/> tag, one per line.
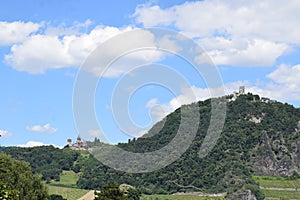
<point x="43" y="44"/>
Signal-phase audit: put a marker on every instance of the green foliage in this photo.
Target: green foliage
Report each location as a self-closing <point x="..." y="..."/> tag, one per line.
<point x="256" y="191"/>
<point x="17" y="176"/>
<point x="227" y="168"/>
<point x="110" y="192"/>
<point x="6" y="194"/>
<point x="46" y="160"/>
<point x="277" y="182"/>
<point x="56" y="197"/>
<point x="281" y="195"/>
<point x="228" y="165"/>
<point x="179" y="197"/>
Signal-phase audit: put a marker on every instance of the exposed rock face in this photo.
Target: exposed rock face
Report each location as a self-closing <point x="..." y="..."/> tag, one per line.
<point x="273" y="157"/>
<point x="242" y="194"/>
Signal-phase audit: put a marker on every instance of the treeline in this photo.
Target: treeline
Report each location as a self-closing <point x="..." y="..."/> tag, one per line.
<point x="45" y="160"/>
<point x="227" y="168"/>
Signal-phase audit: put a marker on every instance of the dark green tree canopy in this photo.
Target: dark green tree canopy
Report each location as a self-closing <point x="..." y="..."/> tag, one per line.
<point x="17" y="176"/>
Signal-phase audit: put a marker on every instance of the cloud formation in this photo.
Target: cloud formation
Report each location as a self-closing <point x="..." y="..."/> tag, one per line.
<point x="32" y="143"/>
<point x="15" y="32"/>
<point x="42" y="128"/>
<point x="243" y="33"/>
<point x="40" y="52"/>
<point x="5" y="133"/>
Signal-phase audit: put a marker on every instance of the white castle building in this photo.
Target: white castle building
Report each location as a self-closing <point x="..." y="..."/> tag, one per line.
<point x="78" y="145"/>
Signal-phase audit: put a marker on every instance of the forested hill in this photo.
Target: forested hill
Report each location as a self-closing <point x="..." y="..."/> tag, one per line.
<point x="257" y="138"/>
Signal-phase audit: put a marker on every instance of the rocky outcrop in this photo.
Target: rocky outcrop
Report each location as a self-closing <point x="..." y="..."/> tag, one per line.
<point x="242" y="194"/>
<point x="272" y="157"/>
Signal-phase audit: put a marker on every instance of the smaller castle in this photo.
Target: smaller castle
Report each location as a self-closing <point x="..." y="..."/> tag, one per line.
<point x="78" y="145"/>
<point x="236" y="94"/>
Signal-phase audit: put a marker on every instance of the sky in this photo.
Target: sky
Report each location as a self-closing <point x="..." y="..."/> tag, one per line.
<point x="45" y="47"/>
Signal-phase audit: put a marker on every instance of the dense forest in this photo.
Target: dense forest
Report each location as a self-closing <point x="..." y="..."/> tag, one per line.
<point x="46" y="160"/>
<point x="254" y="133"/>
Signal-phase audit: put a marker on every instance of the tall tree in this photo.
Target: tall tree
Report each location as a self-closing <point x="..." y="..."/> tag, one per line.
<point x="17" y="176"/>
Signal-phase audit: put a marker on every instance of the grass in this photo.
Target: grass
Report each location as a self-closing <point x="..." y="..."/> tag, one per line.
<point x="68" y="193"/>
<point x="281" y="195"/>
<point x="66" y="187"/>
<point x="67" y="178"/>
<point x="276" y="182"/>
<point x="178" y="197"/>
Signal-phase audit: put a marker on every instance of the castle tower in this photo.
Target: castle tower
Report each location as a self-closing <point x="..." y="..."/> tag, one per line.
<point x="79" y="142"/>
<point x="242" y="90"/>
<point x="69" y="142"/>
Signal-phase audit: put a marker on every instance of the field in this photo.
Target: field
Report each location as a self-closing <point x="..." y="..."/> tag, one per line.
<point x="276" y="182"/>
<point x="281" y="195"/>
<point x="277" y="188"/>
<point x="66" y="186"/>
<point x="179" y="197"/>
<point x="68" y="193"/>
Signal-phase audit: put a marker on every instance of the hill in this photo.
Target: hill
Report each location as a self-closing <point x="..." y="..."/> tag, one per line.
<point x="258" y="138"/>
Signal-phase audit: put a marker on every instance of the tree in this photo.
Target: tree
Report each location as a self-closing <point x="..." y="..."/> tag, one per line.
<point x="133" y="194"/>
<point x="110" y="191"/>
<point x="7" y="194"/>
<point x="17" y="176"/>
<point x="56" y="197"/>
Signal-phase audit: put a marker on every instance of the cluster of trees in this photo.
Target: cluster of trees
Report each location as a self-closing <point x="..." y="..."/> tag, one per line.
<point x="226" y="168"/>
<point x="228" y="165"/>
<point x="18" y="182"/>
<point x="113" y="191"/>
<point x="45" y="160"/>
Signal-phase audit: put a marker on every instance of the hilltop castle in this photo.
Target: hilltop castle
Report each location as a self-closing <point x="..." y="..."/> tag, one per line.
<point x="78" y="145"/>
<point x="236" y="94"/>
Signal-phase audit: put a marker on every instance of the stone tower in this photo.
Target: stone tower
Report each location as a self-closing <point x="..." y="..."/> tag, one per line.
<point x="69" y="142"/>
<point x="242" y="90"/>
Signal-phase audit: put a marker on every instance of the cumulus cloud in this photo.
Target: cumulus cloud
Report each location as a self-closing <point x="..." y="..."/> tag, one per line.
<point x="35" y="144"/>
<point x="285" y="82"/>
<point x="41" y="51"/>
<point x="127" y="51"/>
<point x="244" y="33"/>
<point x="243" y="52"/>
<point x="42" y="128"/>
<point x="5" y="133"/>
<point x="14" y="32"/>
<point x="263" y="19"/>
<point x="151" y="103"/>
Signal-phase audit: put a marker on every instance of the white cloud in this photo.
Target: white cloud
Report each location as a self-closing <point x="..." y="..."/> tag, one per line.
<point x="151" y="103"/>
<point x="61" y="30"/>
<point x="14" y="32"/>
<point x="289" y="75"/>
<point x="187" y="96"/>
<point x="42" y="128"/>
<point x="243" y="52"/>
<point x="35" y="144"/>
<point x="41" y="52"/>
<point x="286" y="82"/>
<point x="5" y="133"/>
<point x="95" y="133"/>
<point x="259" y="18"/>
<point x="245" y="33"/>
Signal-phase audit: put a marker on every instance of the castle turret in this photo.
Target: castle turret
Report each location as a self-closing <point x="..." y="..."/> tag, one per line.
<point x="69" y="141"/>
<point x="242" y="90"/>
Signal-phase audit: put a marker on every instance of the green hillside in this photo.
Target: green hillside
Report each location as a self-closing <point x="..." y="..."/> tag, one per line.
<point x="258" y="138"/>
